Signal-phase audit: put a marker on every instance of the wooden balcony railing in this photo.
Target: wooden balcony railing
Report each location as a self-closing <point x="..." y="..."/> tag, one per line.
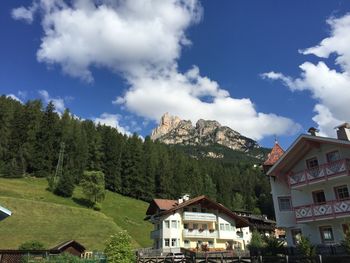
<point x="320" y="173"/>
<point x="315" y="212"/>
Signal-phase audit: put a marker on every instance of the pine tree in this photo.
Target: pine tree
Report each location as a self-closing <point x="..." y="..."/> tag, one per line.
<point x="65" y="186"/>
<point x="111" y="158"/>
<point x="47" y="143"/>
<point x="150" y="166"/>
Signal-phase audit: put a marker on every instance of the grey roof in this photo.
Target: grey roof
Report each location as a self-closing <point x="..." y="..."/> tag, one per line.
<point x="4" y="213"/>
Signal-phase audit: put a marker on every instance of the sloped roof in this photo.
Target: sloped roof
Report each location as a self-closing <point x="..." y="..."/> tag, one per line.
<point x="161" y="204"/>
<point x="68" y="243"/>
<point x="165" y="204"/>
<point x="300" y="147"/>
<point x="240" y="222"/>
<point x="4" y="213"/>
<point x="274" y="155"/>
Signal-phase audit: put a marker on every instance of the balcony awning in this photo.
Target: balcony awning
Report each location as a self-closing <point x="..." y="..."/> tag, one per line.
<point x="4" y="213"/>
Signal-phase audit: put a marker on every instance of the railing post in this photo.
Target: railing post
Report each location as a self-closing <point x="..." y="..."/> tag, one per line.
<point x="320" y="258"/>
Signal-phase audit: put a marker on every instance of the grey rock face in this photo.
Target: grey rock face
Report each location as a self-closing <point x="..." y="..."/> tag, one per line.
<point x="173" y="130"/>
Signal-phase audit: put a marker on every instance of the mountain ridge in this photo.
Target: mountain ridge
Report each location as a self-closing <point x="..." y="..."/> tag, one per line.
<point x="173" y="130"/>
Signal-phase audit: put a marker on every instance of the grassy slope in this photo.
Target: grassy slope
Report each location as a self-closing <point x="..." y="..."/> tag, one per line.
<point x="32" y="203"/>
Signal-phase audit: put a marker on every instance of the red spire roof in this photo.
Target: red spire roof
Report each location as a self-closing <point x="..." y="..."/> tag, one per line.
<point x="274" y="155"/>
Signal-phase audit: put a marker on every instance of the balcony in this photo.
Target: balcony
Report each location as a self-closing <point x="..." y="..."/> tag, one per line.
<point x="155" y="234"/>
<point x="331" y="209"/>
<point x="200" y="233"/>
<point x="202" y="217"/>
<point x="321" y="173"/>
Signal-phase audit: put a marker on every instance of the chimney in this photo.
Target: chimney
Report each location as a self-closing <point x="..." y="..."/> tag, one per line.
<point x="343" y="131"/>
<point x="184" y="198"/>
<point x="313" y="131"/>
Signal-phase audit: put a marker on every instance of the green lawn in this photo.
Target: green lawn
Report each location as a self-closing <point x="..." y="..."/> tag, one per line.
<point x="40" y="215"/>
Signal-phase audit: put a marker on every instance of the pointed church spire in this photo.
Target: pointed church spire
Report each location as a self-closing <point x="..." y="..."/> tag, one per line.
<point x="273" y="156"/>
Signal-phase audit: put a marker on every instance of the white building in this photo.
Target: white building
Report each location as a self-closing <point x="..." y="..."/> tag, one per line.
<point x="194" y="224"/>
<point x="310" y="186"/>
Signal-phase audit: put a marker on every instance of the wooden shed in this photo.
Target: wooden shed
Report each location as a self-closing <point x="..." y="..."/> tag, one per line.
<point x="71" y="246"/>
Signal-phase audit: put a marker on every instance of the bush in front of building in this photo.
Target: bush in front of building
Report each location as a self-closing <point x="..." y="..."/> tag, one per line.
<point x="32" y="245"/>
<point x="305" y="247"/>
<point x="256" y="243"/>
<point x="273" y="246"/>
<point x="119" y="249"/>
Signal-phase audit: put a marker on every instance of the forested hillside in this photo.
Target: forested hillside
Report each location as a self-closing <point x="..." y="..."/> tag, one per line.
<point x="30" y="138"/>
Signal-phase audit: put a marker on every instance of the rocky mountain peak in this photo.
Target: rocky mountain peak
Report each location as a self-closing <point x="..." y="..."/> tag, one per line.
<point x="173" y="130"/>
<point x="167" y="123"/>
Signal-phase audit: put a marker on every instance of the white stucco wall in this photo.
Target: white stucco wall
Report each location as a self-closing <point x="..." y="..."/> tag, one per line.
<point x="302" y="195"/>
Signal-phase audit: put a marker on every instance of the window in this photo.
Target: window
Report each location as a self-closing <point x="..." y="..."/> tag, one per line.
<point x="284" y="203"/>
<point x="195" y="226"/>
<point x="166" y="242"/>
<point x="319" y="197"/>
<point x="227" y="227"/>
<point x="296" y="235"/>
<point x="203" y="210"/>
<point x="173" y="224"/>
<point x="333" y="156"/>
<point x="232" y="227"/>
<point x="187" y="243"/>
<point x="167" y="224"/>
<point x="173" y="242"/>
<point x="341" y="192"/>
<point x="157" y="244"/>
<point x="157" y="226"/>
<point x="194" y="209"/>
<point x="326" y="233"/>
<point x="222" y="227"/>
<point x="185" y="226"/>
<point x="186" y="209"/>
<point x="204" y="226"/>
<point x="210" y="243"/>
<point x="312" y="163"/>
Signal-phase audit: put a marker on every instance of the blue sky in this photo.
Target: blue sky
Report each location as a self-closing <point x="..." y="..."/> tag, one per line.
<point x="238" y="62"/>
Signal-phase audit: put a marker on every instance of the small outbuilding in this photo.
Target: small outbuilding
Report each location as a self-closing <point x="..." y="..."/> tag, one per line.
<point x="72" y="247"/>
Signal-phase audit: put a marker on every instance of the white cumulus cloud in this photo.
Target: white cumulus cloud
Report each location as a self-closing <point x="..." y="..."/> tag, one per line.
<point x="14" y="97"/>
<point x="329" y="87"/>
<point x="142" y="40"/>
<point x="57" y="102"/>
<point x="111" y="120"/>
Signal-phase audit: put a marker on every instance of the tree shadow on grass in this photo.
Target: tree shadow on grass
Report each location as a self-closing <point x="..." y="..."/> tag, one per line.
<point x="83" y="202"/>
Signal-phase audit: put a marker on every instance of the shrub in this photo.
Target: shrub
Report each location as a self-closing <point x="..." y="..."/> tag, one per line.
<point x="63" y="258"/>
<point x="32" y="245"/>
<point x="256" y="243"/>
<point x="118" y="249"/>
<point x="305" y="247"/>
<point x="93" y="184"/>
<point x="97" y="207"/>
<point x="65" y="185"/>
<point x="273" y="246"/>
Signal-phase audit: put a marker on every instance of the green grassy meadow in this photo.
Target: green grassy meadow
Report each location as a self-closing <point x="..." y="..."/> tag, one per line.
<point x="40" y="215"/>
